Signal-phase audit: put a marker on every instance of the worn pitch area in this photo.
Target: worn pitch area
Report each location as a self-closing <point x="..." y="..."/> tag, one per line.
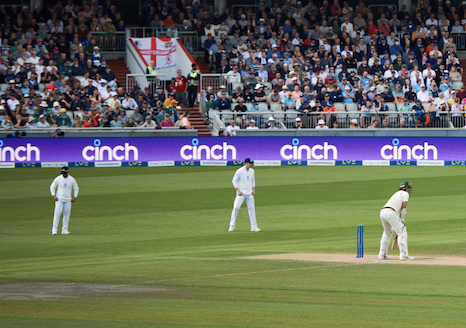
<point x="367" y="259"/>
<point x="54" y="291"/>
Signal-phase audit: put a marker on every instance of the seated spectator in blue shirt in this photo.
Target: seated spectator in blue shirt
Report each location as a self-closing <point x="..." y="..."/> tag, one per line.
<point x="223" y="103"/>
<point x="289" y="102"/>
<point x="396" y="48"/>
<point x="65" y="69"/>
<point x="348" y="95"/>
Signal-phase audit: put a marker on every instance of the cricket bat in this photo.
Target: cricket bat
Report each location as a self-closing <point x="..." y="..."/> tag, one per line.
<point x="395" y="242"/>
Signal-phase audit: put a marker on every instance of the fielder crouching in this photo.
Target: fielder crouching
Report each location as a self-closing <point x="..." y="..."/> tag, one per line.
<point x="392" y="222"/>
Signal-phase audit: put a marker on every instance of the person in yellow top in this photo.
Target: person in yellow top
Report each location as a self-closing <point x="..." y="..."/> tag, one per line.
<point x="151" y="68"/>
<point x="171" y="98"/>
<point x="194" y="77"/>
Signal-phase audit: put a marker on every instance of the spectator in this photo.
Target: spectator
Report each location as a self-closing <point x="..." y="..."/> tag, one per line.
<point x="149" y="123"/>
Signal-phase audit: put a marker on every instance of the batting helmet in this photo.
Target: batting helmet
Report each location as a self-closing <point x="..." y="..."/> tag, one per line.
<point x="404" y="185"/>
<point x="64" y="169"/>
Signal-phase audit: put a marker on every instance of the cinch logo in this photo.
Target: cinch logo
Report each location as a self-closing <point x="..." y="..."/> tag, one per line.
<point x="106" y="153"/>
<point x="395" y="151"/>
<point x="19" y="154"/>
<point x="188" y="152"/>
<point x="295" y="152"/>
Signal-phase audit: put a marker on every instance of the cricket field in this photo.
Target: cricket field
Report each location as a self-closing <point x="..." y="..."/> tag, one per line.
<point x="149" y="247"/>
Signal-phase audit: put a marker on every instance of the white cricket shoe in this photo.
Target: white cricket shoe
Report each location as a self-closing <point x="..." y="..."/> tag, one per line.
<point x="406" y="258"/>
<point x="255" y="229"/>
<point x="383" y="257"/>
<point x="54" y="232"/>
<point x="65" y="232"/>
<point x="232" y="228"/>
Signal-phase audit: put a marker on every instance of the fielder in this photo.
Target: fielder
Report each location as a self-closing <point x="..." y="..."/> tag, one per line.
<point x="391" y="222"/>
<point x="245" y="186"/>
<point x="61" y="193"/>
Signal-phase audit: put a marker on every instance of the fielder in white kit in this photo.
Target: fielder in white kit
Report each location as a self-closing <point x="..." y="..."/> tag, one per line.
<point x="245" y="186"/>
<point x="391" y="222"/>
<point x="61" y="193"/>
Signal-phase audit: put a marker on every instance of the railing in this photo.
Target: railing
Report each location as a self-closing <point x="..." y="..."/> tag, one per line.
<point x="341" y="119"/>
<point x="217" y="123"/>
<point x="145" y="80"/>
<point x="152" y="32"/>
<point x="211" y="80"/>
<point x="459" y="38"/>
<point x="110" y="41"/>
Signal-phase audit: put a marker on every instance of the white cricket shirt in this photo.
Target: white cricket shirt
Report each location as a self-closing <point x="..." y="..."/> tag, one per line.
<point x="244" y="180"/>
<point x="61" y="187"/>
<point x="397" y="199"/>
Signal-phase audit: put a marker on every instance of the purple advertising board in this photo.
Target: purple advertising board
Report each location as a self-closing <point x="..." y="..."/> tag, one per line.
<point x="231" y="149"/>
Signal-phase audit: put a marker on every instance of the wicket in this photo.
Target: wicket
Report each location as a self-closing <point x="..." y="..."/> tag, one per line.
<point x="360" y="241"/>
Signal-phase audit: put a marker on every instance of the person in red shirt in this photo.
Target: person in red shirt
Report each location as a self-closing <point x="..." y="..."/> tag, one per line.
<point x="181" y="86"/>
<point x="91" y="122"/>
<point x="166" y="123"/>
<point x="371" y="28"/>
<point x="171" y="87"/>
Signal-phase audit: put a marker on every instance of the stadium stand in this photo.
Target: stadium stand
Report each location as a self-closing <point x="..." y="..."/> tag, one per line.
<point x="295" y="59"/>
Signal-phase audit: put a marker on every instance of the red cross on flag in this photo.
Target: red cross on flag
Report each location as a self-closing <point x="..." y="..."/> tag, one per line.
<point x="161" y="50"/>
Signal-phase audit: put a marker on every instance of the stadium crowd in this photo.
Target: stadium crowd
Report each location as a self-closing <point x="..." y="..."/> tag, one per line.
<point x="312" y="58"/>
<point x="308" y="59"/>
<point x="53" y="75"/>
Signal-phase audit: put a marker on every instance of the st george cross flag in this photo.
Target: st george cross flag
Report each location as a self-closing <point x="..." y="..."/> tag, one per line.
<point x="161" y="50"/>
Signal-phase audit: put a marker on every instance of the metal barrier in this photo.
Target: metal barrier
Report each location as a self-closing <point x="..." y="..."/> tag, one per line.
<point x="145" y="80"/>
<point x="190" y="40"/>
<point x="341" y="119"/>
<point x="110" y="41"/>
<point x="211" y="80"/>
<point x="459" y="38"/>
<point x="152" y="32"/>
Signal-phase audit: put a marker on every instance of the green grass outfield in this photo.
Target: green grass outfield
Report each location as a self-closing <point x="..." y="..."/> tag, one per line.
<point x="165" y="229"/>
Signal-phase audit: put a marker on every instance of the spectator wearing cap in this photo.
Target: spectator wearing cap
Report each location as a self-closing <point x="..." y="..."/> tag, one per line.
<point x="149" y="123"/>
<point x="252" y="125"/>
<point x="321" y="125"/>
<point x="42" y="122"/>
<point x="461" y="94"/>
<point x="418" y="110"/>
<point x="223" y="102"/>
<point x="62" y="118"/>
<point x="259" y="94"/>
<point x="96" y="56"/>
<point x="348" y="95"/>
<point x="271" y="124"/>
<point x="289" y="103"/>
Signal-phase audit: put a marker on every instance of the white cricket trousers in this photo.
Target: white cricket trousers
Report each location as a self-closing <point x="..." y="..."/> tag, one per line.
<point x="391" y="222"/>
<point x="251" y="209"/>
<point x="60" y="207"/>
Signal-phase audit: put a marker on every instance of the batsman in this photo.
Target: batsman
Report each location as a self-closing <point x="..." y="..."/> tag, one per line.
<point x="391" y="222"/>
